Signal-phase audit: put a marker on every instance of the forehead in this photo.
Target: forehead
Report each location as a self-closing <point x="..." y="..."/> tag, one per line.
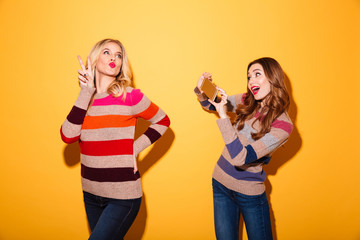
<point x="114" y="47"/>
<point x="255" y="67"/>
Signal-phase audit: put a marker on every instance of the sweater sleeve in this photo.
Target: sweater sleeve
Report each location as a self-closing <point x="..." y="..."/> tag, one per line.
<point x="151" y="112"/>
<point x="233" y="101"/>
<point x="70" y="129"/>
<point x="242" y="154"/>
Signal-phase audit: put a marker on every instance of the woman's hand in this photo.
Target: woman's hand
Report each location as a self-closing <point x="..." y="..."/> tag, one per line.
<point x="86" y="76"/>
<point x="201" y="79"/>
<point x="135" y="164"/>
<point x="221" y="106"/>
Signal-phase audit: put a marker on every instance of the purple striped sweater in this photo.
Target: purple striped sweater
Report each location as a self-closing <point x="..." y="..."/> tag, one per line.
<point x="240" y="166"/>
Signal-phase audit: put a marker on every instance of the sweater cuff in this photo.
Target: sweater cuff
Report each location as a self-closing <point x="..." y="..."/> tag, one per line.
<point x="226" y="129"/>
<point x="84" y="97"/>
<point x="201" y="96"/>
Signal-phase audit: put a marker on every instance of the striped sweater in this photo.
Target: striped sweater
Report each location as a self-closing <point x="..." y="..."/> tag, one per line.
<point x="240" y="166"/>
<point x="105" y="132"/>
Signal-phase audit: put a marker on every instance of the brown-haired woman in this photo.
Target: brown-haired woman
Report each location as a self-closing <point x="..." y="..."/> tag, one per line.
<point x="261" y="126"/>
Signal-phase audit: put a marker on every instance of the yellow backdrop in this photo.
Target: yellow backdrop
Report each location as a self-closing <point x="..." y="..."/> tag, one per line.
<point x="313" y="180"/>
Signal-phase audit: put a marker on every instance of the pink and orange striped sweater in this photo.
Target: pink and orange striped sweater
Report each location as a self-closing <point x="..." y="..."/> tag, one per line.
<point x="105" y="132"/>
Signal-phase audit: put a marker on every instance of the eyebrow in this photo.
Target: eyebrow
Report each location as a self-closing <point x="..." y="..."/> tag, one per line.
<point x="256" y="70"/>
<point x="110" y="50"/>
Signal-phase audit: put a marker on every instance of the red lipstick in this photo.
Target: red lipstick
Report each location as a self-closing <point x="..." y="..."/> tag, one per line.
<point x="112" y="65"/>
<point x="255" y="89"/>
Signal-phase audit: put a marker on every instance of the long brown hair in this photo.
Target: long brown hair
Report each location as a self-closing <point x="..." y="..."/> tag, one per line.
<point x="275" y="103"/>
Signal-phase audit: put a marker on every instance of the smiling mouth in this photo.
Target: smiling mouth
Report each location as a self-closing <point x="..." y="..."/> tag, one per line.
<point x="255" y="89"/>
<point x="112" y="65"/>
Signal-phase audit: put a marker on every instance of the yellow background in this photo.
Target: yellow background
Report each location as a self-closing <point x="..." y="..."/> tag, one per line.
<point x="313" y="180"/>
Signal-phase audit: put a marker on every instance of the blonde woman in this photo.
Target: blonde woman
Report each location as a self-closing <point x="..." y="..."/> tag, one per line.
<point x="103" y="121"/>
<point x="261" y="126"/>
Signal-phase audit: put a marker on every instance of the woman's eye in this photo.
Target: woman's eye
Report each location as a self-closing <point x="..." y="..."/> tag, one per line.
<point x="119" y="56"/>
<point x="248" y="78"/>
<point x="257" y="74"/>
<point x="106" y="52"/>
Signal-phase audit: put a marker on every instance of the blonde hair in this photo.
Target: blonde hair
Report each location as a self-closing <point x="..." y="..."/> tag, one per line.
<point x="124" y="78"/>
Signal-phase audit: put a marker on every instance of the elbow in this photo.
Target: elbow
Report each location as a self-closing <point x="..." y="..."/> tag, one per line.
<point x="165" y="121"/>
<point x="67" y="139"/>
<point x="238" y="162"/>
<point x="250" y="154"/>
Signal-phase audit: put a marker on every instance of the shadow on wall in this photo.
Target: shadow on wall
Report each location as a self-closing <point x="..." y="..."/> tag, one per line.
<point x="159" y="148"/>
<point x="71" y="154"/>
<point x="284" y="153"/>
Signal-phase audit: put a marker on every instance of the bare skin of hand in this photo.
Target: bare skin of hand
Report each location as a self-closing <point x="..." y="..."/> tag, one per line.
<point x="86" y="76"/>
<point x="221" y="106"/>
<point x="135" y="164"/>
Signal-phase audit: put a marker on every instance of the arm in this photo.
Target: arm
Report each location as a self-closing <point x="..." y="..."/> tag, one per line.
<point x="70" y="129"/>
<point x="242" y="154"/>
<point x="232" y="101"/>
<point x="152" y="113"/>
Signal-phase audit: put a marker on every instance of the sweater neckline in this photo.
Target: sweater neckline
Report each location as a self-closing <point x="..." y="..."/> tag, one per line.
<point x="105" y="94"/>
<point x="100" y="95"/>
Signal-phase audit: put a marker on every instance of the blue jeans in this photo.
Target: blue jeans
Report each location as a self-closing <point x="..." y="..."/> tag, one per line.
<point x="228" y="205"/>
<point x="110" y="218"/>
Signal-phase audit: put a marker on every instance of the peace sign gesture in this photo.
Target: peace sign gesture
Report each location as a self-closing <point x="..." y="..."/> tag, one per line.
<point x="86" y="76"/>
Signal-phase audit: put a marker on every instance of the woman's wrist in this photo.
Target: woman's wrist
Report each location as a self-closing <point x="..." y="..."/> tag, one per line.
<point x="223" y="115"/>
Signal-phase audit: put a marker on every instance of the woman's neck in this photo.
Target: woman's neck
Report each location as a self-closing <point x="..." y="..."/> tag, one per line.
<point x="265" y="101"/>
<point x="103" y="82"/>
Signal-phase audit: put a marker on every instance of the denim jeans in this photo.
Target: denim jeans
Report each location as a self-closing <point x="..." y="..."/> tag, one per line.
<point x="110" y="218"/>
<point x="228" y="205"/>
